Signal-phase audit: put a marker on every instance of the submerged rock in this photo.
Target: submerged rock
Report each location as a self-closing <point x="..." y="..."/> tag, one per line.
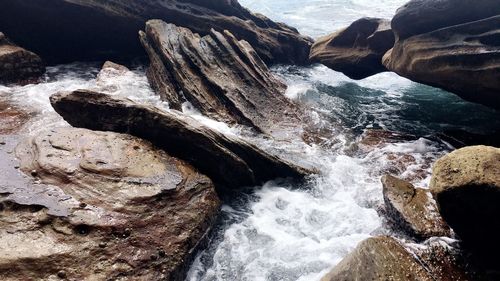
<point x="218" y="75"/>
<point x="357" y="50"/>
<point x="103" y="206"/>
<point x="18" y="65"/>
<point x="412" y="209"/>
<point x="227" y="160"/>
<point x="12" y="118"/>
<point x="67" y="30"/>
<point x="466" y="186"/>
<point x="453" y="45"/>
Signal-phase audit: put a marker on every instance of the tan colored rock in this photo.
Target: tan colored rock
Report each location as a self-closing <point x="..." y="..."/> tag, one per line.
<point x="103" y="206"/>
<point x="412" y="209"/>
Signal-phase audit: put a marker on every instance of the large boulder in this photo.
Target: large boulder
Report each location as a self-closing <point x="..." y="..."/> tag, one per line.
<point x="453" y="45"/>
<point x="68" y="30"/>
<point x="18" y="65"/>
<point x="466" y="186"/>
<point x="218" y="75"/>
<point x="357" y="50"/>
<point x="99" y="206"/>
<point x="412" y="209"/>
<point x="229" y="161"/>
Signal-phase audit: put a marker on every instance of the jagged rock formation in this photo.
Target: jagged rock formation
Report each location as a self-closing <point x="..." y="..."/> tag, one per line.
<point x="226" y="160"/>
<point x="18" y="65"/>
<point x="220" y="76"/>
<point x="101" y="206"/>
<point x="68" y="30"/>
<point x="357" y="50"/>
<point x="454" y="45"/>
<point x="412" y="209"/>
<point x="466" y="186"/>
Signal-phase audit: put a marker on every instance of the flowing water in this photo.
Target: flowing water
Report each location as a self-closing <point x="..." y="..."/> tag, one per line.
<point x="284" y="231"/>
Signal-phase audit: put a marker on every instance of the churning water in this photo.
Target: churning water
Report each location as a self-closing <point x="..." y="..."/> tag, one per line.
<point x="282" y="231"/>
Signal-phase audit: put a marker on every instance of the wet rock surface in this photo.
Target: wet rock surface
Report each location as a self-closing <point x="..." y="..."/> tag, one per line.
<point x="12" y="118"/>
<point x="18" y="65"/>
<point x="357" y="50"/>
<point x="67" y="30"/>
<point x="412" y="209"/>
<point x="219" y="76"/>
<point x="99" y="206"/>
<point x="229" y="161"/>
<point x="453" y="45"/>
<point x="466" y="186"/>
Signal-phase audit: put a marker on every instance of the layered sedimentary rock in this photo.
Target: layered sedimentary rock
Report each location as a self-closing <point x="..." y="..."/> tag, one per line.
<point x="453" y="45"/>
<point x="357" y="50"/>
<point x="218" y="75"/>
<point x="68" y="30"/>
<point x="412" y="209"/>
<point x="18" y="64"/>
<point x="466" y="186"/>
<point x="229" y="161"/>
<point x="99" y="206"/>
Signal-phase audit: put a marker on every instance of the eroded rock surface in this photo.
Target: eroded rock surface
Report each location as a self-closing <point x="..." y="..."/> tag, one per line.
<point x="12" y="118"/>
<point x="466" y="186"/>
<point x="357" y="50"/>
<point x="412" y="209"/>
<point x="68" y="30"/>
<point x="103" y="206"/>
<point x="227" y="160"/>
<point x="18" y="65"/>
<point x="453" y="45"/>
<point x="220" y="76"/>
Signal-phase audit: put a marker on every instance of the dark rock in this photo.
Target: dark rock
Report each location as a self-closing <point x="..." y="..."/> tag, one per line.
<point x="226" y="160"/>
<point x="138" y="200"/>
<point x="67" y="30"/>
<point x="357" y="50"/>
<point x="412" y="209"/>
<point x="220" y="76"/>
<point x="18" y="65"/>
<point x="453" y="45"/>
<point x="466" y="186"/>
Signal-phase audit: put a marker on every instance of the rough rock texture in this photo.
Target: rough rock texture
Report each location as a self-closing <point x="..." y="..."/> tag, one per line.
<point x="228" y="161"/>
<point x="357" y="50"/>
<point x="103" y="206"/>
<point x="220" y="76"/>
<point x="466" y="186"/>
<point x="412" y="209"/>
<point x="18" y="65"/>
<point x="11" y="117"/>
<point x="454" y="45"/>
<point x="68" y="30"/>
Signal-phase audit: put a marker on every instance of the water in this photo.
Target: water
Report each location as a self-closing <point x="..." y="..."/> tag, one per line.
<point x="281" y="231"/>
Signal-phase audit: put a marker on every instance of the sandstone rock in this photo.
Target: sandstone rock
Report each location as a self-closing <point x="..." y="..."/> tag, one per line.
<point x="220" y="76"/>
<point x="228" y="161"/>
<point x="103" y="206"/>
<point x="12" y="118"/>
<point x="412" y="209"/>
<point x="106" y="78"/>
<point x="18" y="65"/>
<point x="466" y="186"/>
<point x="453" y="45"/>
<point x="356" y="50"/>
<point x="68" y="30"/>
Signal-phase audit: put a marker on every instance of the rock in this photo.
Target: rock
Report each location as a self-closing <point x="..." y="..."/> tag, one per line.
<point x="379" y="259"/>
<point x="18" y="65"/>
<point x="466" y="186"/>
<point x="412" y="209"/>
<point x="106" y="78"/>
<point x="120" y="207"/>
<point x="12" y="118"/>
<point x="220" y="76"/>
<point x="68" y="30"/>
<point x="357" y="50"/>
<point x="453" y="45"/>
<point x="238" y="163"/>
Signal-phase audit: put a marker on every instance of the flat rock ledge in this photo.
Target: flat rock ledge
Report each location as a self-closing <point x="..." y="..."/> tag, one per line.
<point x="413" y="209"/>
<point x="222" y="77"/>
<point x="100" y="206"/>
<point x="228" y="161"/>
